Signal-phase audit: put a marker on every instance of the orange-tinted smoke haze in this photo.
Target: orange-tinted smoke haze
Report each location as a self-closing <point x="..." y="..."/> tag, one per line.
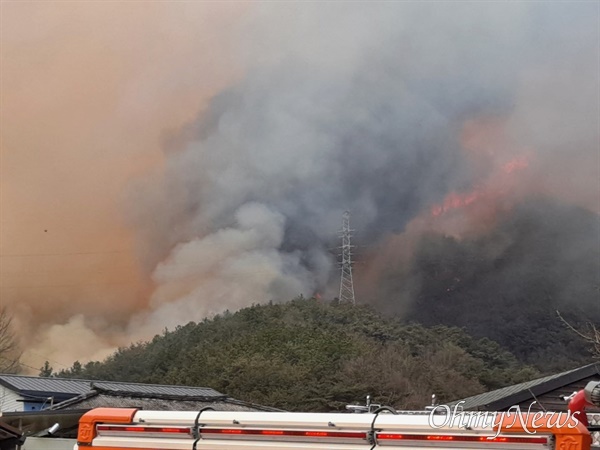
<point x="89" y="90"/>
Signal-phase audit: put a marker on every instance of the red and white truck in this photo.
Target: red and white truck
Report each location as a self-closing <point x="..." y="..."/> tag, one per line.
<point x="440" y="428"/>
<point x="132" y="429"/>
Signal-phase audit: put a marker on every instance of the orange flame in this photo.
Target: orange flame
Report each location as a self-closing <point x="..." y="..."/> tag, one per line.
<point x="490" y="151"/>
<point x="455" y="201"/>
<point x="516" y="164"/>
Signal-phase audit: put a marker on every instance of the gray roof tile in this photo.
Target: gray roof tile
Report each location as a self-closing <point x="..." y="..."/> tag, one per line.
<point x="498" y="395"/>
<point x="112" y="401"/>
<point x="22" y="383"/>
<point x="155" y="389"/>
<point x="68" y="386"/>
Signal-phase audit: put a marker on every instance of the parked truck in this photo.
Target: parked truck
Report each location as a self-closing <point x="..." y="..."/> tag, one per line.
<point x="132" y="429"/>
<point x="440" y="427"/>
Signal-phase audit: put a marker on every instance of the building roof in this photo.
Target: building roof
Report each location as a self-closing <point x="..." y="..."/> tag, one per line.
<point x="87" y="394"/>
<point x="157" y="397"/>
<point x="139" y="389"/>
<point x="511" y="395"/>
<point x="73" y="387"/>
<point x="112" y="400"/>
<point x="37" y="385"/>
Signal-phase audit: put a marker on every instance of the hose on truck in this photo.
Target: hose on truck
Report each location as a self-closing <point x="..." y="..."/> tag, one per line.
<point x="197" y="425"/>
<point x="371" y="435"/>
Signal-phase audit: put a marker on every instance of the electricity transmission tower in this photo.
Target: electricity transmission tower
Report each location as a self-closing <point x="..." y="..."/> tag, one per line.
<point x="346" y="284"/>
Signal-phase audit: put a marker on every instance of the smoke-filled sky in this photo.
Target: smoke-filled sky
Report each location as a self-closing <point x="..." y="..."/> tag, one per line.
<point x="163" y="162"/>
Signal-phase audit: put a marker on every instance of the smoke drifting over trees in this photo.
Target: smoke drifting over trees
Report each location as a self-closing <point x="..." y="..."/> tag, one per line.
<point x="366" y="108"/>
<point x="418" y="118"/>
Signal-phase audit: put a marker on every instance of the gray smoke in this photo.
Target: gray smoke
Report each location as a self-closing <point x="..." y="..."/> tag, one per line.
<point x="358" y="106"/>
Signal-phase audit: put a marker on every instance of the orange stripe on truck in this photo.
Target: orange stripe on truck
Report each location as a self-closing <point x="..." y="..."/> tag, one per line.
<point x="88" y="422"/>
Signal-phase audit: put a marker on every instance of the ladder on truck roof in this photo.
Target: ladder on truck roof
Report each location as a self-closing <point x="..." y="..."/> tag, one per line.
<point x="132" y="429"/>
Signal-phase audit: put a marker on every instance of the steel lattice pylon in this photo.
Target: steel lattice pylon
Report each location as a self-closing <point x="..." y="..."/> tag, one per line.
<point x="346" y="283"/>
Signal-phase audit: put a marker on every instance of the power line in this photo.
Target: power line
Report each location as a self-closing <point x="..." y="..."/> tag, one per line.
<point x="191" y="276"/>
<point x="22" y="364"/>
<point x="47" y="359"/>
<point x="27" y="255"/>
<point x="72" y="268"/>
<point x="44" y="286"/>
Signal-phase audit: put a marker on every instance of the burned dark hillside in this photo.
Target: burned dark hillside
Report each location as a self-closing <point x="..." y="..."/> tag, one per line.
<point x="508" y="283"/>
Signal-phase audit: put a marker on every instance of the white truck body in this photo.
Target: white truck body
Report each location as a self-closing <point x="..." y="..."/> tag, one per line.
<point x="130" y="429"/>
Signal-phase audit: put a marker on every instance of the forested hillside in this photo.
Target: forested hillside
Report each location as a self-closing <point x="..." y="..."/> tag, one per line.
<point x="502" y="288"/>
<point x="309" y="355"/>
<point x="507" y="284"/>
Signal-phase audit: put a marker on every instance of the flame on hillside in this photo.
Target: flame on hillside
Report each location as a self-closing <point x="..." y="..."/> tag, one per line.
<point x="500" y="169"/>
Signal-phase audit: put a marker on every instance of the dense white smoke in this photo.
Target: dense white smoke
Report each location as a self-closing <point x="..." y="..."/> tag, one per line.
<point x="229" y="268"/>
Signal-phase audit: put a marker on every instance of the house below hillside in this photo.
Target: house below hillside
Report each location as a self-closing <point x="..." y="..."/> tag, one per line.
<point x="23" y="393"/>
<point x="35" y="404"/>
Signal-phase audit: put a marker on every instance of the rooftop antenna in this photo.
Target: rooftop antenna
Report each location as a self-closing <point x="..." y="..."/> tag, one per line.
<point x="346" y="283"/>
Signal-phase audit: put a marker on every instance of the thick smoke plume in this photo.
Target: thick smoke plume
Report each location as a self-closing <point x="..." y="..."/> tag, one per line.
<point x="431" y="117"/>
<point x="388" y="110"/>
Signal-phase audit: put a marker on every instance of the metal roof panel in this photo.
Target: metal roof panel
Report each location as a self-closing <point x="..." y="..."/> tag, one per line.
<point x="30" y="385"/>
<point x="487" y="398"/>
<point x="150" y="389"/>
<point x="21" y="383"/>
